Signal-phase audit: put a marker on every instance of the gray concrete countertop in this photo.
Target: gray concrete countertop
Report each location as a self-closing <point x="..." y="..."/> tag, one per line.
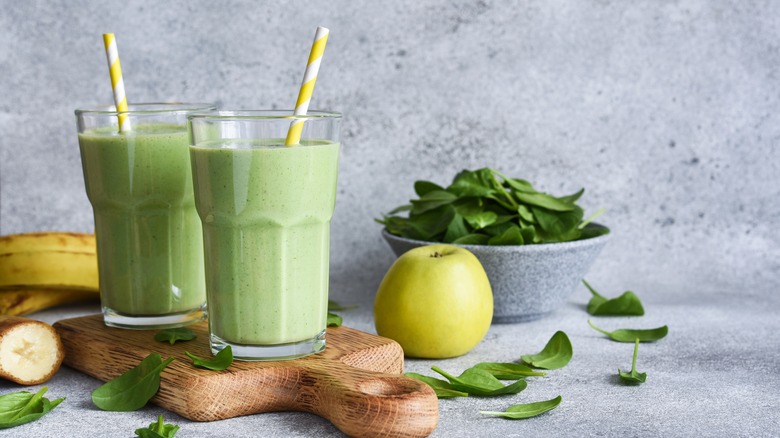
<point x="714" y="374"/>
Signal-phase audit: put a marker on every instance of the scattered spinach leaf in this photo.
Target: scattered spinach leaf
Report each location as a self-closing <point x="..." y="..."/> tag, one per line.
<point x="133" y="389"/>
<point x="556" y="354"/>
<point x="485" y="207"/>
<point x="629" y="335"/>
<point x="627" y="304"/>
<point x="219" y="362"/>
<point x="508" y="370"/>
<point x="526" y="410"/>
<point x="158" y="429"/>
<point x="442" y="388"/>
<point x="335" y="320"/>
<point x="175" y="334"/>
<point x="481" y="383"/>
<point x="334" y="306"/>
<point x="24" y="407"/>
<point x="634" y="377"/>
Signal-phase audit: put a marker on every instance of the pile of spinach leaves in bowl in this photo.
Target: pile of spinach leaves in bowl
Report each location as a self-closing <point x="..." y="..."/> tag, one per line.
<point x="485" y="207"/>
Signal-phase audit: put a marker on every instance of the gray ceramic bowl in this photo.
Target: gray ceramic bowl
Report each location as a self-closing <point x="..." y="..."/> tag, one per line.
<point x="528" y="281"/>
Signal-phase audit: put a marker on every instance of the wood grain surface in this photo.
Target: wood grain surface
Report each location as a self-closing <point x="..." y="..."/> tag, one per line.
<point x="356" y="383"/>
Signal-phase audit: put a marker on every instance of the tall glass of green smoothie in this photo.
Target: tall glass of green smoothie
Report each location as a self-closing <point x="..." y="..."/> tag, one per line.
<point x="149" y="241"/>
<point x="265" y="210"/>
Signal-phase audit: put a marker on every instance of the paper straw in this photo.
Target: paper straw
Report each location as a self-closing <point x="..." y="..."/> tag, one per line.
<point x="117" y="84"/>
<point x="307" y="86"/>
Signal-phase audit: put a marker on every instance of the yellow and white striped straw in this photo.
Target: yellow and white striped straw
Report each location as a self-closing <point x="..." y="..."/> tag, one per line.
<point x="307" y="86"/>
<point x="117" y="84"/>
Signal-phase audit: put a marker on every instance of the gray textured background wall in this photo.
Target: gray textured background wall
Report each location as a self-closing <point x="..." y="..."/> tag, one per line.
<point x="665" y="111"/>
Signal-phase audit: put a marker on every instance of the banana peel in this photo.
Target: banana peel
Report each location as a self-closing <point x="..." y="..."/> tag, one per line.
<point x="48" y="241"/>
<point x="49" y="269"/>
<point x="43" y="270"/>
<point x="17" y="302"/>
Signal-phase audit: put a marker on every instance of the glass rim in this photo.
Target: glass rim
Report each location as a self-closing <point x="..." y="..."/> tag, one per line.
<point x="138" y="108"/>
<point x="245" y="115"/>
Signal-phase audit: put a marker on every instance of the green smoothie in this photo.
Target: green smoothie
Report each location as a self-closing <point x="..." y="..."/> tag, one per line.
<point x="150" y="247"/>
<point x="266" y="213"/>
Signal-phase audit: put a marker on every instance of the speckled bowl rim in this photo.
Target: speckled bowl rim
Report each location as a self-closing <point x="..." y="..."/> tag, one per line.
<point x="535" y="248"/>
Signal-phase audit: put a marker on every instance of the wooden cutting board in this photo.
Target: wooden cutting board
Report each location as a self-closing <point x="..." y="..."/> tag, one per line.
<point x="355" y="383"/>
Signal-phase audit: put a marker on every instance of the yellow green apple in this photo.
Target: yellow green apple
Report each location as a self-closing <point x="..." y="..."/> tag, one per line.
<point x="435" y="301"/>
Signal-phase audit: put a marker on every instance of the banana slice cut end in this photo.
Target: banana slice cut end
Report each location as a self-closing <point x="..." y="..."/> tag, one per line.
<point x="30" y="351"/>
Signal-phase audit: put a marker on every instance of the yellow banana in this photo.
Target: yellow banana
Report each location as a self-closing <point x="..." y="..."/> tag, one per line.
<point x="51" y="241"/>
<point x="17" y="302"/>
<point x="49" y="269"/>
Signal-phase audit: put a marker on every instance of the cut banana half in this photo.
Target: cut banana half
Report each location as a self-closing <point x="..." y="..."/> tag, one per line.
<point x="30" y="351"/>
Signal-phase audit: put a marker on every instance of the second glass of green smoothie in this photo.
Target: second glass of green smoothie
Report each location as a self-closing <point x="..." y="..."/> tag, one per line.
<point x="149" y="241"/>
<point x="266" y="210"/>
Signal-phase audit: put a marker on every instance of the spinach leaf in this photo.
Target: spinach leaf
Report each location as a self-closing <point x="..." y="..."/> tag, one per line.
<point x="158" y="429"/>
<point x="556" y="354"/>
<point x="590" y="218"/>
<point x="481" y="220"/>
<point x="529" y="235"/>
<point x="133" y="389"/>
<point x="629" y="335"/>
<point x="431" y="200"/>
<point x="175" y="334"/>
<point x="508" y="370"/>
<point x="333" y="305"/>
<point x="24" y="407"/>
<point x="221" y="361"/>
<point x="527" y="410"/>
<point x="634" y="377"/>
<point x="574" y="197"/>
<point x="335" y="320"/>
<point x="558" y="226"/>
<point x="501" y="225"/>
<point x="490" y="205"/>
<point x="442" y="388"/>
<point x="627" y="304"/>
<point x="591" y="230"/>
<point x="400" y="226"/>
<point x="512" y="236"/>
<point x="424" y="187"/>
<point x="472" y="183"/>
<point x="456" y="229"/>
<point x="526" y="214"/>
<point x="472" y="239"/>
<point x="469" y="206"/>
<point x="400" y="209"/>
<point x="430" y="224"/>
<point x="481" y="383"/>
<point x="519" y="185"/>
<point x="543" y="200"/>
